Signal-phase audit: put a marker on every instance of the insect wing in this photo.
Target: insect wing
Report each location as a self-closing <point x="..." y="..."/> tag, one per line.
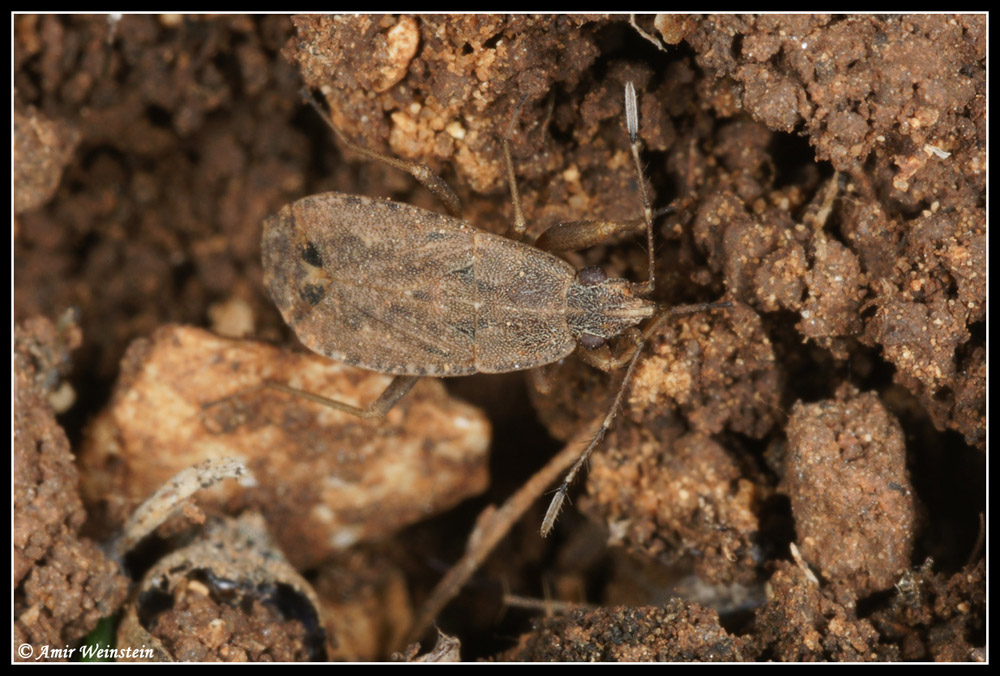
<point x="521" y="316"/>
<point x="375" y="284"/>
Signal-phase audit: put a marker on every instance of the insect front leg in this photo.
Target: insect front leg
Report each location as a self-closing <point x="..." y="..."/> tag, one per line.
<point x="574" y="235"/>
<point x="568" y="236"/>
<point x="602" y="358"/>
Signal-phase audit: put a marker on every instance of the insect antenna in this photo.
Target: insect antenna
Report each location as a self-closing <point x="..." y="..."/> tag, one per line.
<point x="559" y="498"/>
<point x="662" y="314"/>
<point x="632" y="125"/>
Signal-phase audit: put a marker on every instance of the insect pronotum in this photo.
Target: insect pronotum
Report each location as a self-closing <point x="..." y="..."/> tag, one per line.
<point x="400" y="290"/>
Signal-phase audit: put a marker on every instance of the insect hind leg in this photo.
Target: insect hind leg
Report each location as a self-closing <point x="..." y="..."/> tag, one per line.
<point x="393" y="392"/>
<point x="421" y="172"/>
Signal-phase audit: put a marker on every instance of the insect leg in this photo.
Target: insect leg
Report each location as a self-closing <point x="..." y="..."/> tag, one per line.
<point x="574" y="235"/>
<point x="601" y="358"/>
<point x="421" y="172"/>
<point x="395" y="391"/>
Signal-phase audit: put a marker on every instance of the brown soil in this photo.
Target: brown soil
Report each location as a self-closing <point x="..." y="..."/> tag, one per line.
<point x="828" y="177"/>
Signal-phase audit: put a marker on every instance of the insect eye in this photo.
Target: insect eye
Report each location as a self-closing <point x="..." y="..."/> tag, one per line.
<point x="591" y="275"/>
<point x="590" y="341"/>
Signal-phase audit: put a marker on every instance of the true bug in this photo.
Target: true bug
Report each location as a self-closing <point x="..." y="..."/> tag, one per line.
<point x="404" y="291"/>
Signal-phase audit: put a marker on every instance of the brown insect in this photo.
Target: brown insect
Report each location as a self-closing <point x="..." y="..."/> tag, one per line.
<point x="404" y="291"/>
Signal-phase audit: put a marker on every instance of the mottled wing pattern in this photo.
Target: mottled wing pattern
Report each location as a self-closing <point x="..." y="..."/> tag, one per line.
<point x="521" y="293"/>
<point x="374" y="283"/>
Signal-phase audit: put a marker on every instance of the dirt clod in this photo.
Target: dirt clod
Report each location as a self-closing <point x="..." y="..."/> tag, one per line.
<point x="42" y="148"/>
<point x="63" y="583"/>
<point x="803" y="623"/>
<point x="853" y="504"/>
<point x="676" y="632"/>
